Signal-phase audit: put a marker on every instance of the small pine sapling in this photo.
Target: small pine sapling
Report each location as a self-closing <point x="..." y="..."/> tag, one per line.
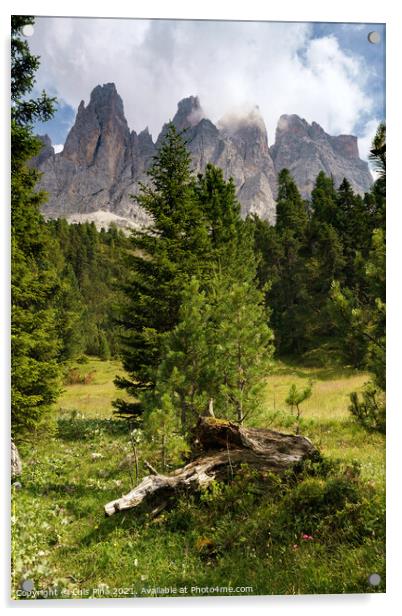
<point x="295" y="399"/>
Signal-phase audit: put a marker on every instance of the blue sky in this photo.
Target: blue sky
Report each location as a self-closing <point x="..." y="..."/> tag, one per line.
<point x="353" y="39"/>
<point x="329" y="73"/>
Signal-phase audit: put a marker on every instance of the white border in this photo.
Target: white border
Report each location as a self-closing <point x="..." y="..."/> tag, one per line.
<point x="308" y="10"/>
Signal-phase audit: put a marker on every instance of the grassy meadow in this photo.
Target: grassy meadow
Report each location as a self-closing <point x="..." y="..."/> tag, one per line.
<point x="320" y="533"/>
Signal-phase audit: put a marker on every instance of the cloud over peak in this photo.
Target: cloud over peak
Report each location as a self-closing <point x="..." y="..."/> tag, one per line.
<point x="281" y="67"/>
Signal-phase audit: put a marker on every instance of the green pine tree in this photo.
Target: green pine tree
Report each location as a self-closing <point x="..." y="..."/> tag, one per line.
<point x="360" y="316"/>
<point x="291" y="210"/>
<point x="163" y="258"/>
<point x="241" y="342"/>
<point x="218" y="354"/>
<point x="34" y="340"/>
<point x="186" y="375"/>
<point x="324" y="200"/>
<point x="289" y="294"/>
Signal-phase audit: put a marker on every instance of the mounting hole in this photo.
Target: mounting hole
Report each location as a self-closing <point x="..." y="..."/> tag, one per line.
<point x="28" y="585"/>
<point x="374" y="37"/>
<point x="374" y="579"/>
<point x="28" y="30"/>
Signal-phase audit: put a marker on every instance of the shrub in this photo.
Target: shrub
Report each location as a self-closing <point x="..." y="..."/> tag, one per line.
<point x="74" y="377"/>
<point x="335" y="510"/>
<point x="369" y="410"/>
<point x="83" y="359"/>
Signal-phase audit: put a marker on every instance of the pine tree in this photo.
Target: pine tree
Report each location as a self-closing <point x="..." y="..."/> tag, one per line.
<point x="197" y="229"/>
<point x="289" y="294"/>
<point x="35" y="345"/>
<point x="164" y="256"/>
<point x="361" y="316"/>
<point x="324" y="200"/>
<point x="378" y="156"/>
<point x="185" y="375"/>
<point x="69" y="314"/>
<point x="219" y="352"/>
<point x="324" y="261"/>
<point x="241" y="343"/>
<point x="291" y="210"/>
<point x="104" y="348"/>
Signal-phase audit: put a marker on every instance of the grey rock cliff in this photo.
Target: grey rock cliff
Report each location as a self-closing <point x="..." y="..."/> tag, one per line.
<point x="100" y="165"/>
<point x="102" y="162"/>
<point x="239" y="146"/>
<point x="306" y="149"/>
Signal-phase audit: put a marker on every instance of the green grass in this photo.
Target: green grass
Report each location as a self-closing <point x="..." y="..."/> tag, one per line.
<point x="326" y="419"/>
<point x="94" y="399"/>
<point x="232" y="537"/>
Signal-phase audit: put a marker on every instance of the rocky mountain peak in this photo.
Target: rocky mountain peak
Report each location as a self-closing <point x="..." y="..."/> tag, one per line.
<point x="291" y="124"/>
<point x="100" y="133"/>
<point x="235" y="122"/>
<point x="107" y="103"/>
<point x="189" y="113"/>
<point x="103" y="163"/>
<point x="145" y="139"/>
<point x="306" y="149"/>
<point x="346" y="145"/>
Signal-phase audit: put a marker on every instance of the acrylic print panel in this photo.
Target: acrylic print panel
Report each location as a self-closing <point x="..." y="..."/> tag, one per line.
<point x="198" y="308"/>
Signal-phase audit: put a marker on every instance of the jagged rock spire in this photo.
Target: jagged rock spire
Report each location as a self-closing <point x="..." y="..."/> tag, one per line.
<point x="102" y="163"/>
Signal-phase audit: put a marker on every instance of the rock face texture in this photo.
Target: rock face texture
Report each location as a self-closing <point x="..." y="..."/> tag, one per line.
<point x="306" y="149"/>
<point x="239" y="146"/>
<point x="102" y="162"/>
<point x="100" y="165"/>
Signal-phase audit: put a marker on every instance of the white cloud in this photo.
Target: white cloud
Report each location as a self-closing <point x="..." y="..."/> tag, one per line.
<point x="365" y="140"/>
<point x="58" y="147"/>
<point x="228" y="64"/>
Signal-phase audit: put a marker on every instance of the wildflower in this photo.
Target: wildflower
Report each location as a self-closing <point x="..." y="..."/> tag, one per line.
<point x="307" y="537"/>
<point x="295" y="546"/>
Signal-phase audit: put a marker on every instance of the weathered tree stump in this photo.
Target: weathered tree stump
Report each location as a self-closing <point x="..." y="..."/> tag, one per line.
<point x="222" y="447"/>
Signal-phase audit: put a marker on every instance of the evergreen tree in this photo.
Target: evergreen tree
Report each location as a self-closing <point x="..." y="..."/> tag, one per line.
<point x="378" y="154"/>
<point x="163" y="258"/>
<point x="23" y="68"/>
<point x="69" y="312"/>
<point x="289" y="293"/>
<point x="291" y="210"/>
<point x="241" y="343"/>
<point x="324" y="200"/>
<point x="218" y="354"/>
<point x="197" y="228"/>
<point x="268" y="251"/>
<point x="324" y="261"/>
<point x="185" y="377"/>
<point x="35" y="345"/>
<point x="229" y="238"/>
<point x="104" y="348"/>
<point x="361" y="311"/>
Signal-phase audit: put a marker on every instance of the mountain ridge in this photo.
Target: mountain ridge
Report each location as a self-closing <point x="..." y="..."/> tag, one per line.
<point x="103" y="162"/>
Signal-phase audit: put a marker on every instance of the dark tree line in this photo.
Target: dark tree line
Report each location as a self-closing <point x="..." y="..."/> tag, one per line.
<point x="325" y="263"/>
<point x="314" y="244"/>
<point x="92" y="269"/>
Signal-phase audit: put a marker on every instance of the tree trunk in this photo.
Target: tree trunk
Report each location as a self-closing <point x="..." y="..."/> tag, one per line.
<point x="221" y="448"/>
